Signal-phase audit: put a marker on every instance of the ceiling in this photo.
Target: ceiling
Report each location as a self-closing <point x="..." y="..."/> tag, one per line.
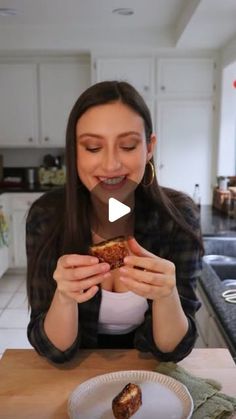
<point x="88" y="24"/>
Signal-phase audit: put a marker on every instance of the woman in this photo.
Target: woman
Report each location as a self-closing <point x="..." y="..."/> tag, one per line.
<point x="77" y="302"/>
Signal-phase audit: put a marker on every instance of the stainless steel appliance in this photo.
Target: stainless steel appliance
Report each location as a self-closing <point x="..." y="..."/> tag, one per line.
<point x="31" y="175"/>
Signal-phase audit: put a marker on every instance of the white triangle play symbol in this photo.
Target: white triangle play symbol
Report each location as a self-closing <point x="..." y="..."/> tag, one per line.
<point x="116" y="209"/>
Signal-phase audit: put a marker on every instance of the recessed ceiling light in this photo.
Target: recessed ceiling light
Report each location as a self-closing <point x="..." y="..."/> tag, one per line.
<point x="123" y="11"/>
<point x="7" y="11"/>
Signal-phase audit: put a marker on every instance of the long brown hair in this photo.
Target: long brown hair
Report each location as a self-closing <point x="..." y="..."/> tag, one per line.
<point x="71" y="232"/>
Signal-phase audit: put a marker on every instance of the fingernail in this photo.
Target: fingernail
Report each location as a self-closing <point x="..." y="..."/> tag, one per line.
<point x="94" y="260"/>
<point x="123" y="279"/>
<point x="107" y="275"/>
<point x="124" y="270"/>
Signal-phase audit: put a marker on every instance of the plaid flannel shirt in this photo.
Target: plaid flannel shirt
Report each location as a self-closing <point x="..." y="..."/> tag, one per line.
<point x="155" y="232"/>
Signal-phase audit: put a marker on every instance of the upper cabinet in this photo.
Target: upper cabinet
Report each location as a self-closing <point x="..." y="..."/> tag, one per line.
<point x="185" y="77"/>
<point x="36" y="99"/>
<point x="137" y="71"/>
<point x="60" y="85"/>
<point x="18" y="104"/>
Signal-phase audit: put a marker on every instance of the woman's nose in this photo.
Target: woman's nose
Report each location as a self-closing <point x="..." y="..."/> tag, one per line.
<point x="111" y="162"/>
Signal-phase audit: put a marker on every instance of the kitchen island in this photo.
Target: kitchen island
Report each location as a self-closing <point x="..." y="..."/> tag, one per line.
<point x="219" y="237"/>
<point x="220" y="311"/>
<point x="31" y="387"/>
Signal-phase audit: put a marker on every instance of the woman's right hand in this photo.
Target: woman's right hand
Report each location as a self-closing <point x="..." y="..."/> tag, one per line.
<point x="78" y="276"/>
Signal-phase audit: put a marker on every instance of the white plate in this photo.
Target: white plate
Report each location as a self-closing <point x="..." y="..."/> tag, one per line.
<point x="162" y="396"/>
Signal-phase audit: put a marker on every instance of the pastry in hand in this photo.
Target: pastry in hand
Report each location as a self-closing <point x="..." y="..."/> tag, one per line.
<point x="111" y="251"/>
<point x="127" y="402"/>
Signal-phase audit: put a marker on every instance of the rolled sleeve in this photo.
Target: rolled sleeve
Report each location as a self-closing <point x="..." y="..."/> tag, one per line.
<point x="39" y="340"/>
<point x="144" y="341"/>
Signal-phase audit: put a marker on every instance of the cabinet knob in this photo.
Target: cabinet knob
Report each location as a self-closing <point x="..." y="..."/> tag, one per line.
<point x="163" y="88"/>
<point x="30" y="139"/>
<point x="46" y="139"/>
<point x="146" y="88"/>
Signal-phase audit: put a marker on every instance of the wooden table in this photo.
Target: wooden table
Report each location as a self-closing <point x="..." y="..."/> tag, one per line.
<point x="32" y="388"/>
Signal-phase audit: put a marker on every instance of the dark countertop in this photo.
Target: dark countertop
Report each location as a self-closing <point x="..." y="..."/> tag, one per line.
<point x="224" y="312"/>
<point x="216" y="223"/>
<point x="219" y="236"/>
<point x="28" y="188"/>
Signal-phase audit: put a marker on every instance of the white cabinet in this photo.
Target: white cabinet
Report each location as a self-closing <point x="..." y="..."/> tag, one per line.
<point x="184" y="153"/>
<point x="20" y="205"/>
<point x="4" y="234"/>
<point x="18" y="104"/>
<point x="36" y="99"/>
<point x="137" y="71"/>
<point x="215" y="339"/>
<point x="185" y="77"/>
<point x="61" y="84"/>
<point x="202" y="318"/>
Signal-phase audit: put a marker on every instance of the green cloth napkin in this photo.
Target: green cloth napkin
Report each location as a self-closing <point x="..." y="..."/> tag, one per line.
<point x="208" y="402"/>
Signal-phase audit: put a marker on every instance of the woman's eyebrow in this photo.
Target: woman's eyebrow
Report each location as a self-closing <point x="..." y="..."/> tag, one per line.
<point x="128" y="133"/>
<point x="86" y="135"/>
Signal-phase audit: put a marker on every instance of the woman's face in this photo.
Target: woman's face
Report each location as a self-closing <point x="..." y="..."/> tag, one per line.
<point x="111" y="146"/>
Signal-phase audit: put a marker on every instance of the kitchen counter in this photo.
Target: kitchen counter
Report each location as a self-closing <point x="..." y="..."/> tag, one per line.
<point x="219" y="237"/>
<point x="224" y="312"/>
<point x="215" y="223"/>
<point x="28" y="188"/>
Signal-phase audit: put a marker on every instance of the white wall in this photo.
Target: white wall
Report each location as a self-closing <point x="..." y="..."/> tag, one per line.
<point x="227" y="136"/>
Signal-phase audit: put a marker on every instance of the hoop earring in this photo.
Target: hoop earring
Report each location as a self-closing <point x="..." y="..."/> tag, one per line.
<point x="152" y="174"/>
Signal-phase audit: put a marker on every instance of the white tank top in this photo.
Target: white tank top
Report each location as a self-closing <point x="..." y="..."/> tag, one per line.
<point x="121" y="312"/>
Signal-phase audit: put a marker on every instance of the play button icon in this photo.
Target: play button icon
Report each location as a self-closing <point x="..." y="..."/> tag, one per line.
<point x="116" y="209"/>
<point x="113" y="209"/>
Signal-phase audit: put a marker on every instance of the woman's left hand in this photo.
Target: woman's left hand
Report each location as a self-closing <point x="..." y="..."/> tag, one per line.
<point x="146" y="274"/>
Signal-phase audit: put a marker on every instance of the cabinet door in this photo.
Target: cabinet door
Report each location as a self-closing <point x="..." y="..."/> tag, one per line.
<point x="4" y="235"/>
<point x="20" y="204"/>
<point x="137" y="71"/>
<point x="215" y="338"/>
<point x="61" y="83"/>
<point x="184" y="151"/>
<point x="186" y="77"/>
<point x="18" y="230"/>
<point x="202" y="320"/>
<point x="18" y="104"/>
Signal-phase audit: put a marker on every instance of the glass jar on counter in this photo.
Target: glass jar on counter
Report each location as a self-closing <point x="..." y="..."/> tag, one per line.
<point x="222" y="183"/>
